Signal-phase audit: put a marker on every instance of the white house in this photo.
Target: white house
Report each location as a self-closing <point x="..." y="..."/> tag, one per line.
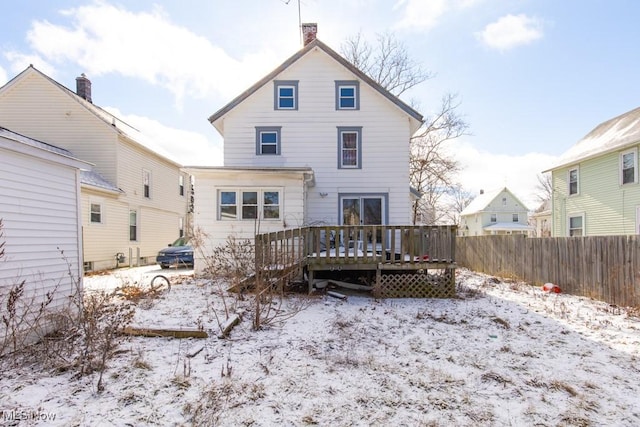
<point x="134" y="200"/>
<point x="315" y="141"/>
<point x="40" y="233"/>
<point x="494" y="212"/>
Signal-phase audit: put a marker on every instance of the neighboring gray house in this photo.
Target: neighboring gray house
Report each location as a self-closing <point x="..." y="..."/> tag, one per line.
<point x="494" y="212"/>
<point x="596" y="190"/>
<point x="41" y="237"/>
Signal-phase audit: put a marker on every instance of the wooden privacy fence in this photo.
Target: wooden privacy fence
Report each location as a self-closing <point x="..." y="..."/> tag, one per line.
<point x="606" y="268"/>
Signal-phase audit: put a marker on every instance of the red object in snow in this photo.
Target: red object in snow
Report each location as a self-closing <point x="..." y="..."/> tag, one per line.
<point x="550" y="287"/>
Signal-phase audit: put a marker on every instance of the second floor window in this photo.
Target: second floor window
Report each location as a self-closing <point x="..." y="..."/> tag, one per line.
<point x="96" y="212"/>
<point x="349" y="148"/>
<point x="146" y="183"/>
<point x="628" y="169"/>
<point x="494" y="218"/>
<point x="515" y="217"/>
<point x="268" y="140"/>
<point x="181" y="186"/>
<point x="573" y="182"/>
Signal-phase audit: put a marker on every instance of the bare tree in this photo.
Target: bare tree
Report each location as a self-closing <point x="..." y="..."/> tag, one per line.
<point x="459" y="198"/>
<point x="432" y="169"/>
<point x="544" y="188"/>
<point x="388" y="63"/>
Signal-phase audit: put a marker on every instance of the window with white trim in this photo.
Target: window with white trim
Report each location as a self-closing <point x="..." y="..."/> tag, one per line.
<point x="573" y="181"/>
<point x="628" y="167"/>
<point x="494" y="218"/>
<point x="250" y="204"/>
<point x="268" y="140"/>
<point x="576" y="225"/>
<point x="133" y="225"/>
<point x="181" y="185"/>
<point x="349" y="147"/>
<point x="285" y="95"/>
<point x="347" y="95"/>
<point x="146" y="183"/>
<point x="96" y="213"/>
<point x="515" y="217"/>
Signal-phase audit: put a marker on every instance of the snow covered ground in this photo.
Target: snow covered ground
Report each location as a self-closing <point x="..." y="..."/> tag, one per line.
<point x="501" y="354"/>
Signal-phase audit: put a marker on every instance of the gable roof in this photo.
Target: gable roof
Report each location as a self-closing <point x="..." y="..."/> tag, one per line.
<point x="483" y="200"/>
<point x="133" y="135"/>
<point x="316" y="44"/>
<point x="611" y="135"/>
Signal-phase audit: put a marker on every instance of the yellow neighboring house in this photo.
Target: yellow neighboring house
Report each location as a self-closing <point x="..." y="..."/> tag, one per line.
<point x="134" y="201"/>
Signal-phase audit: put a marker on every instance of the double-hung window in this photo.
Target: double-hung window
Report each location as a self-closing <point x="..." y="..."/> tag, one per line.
<point x="349" y="147"/>
<point x="494" y="217"/>
<point x="181" y="185"/>
<point x="573" y="181"/>
<point x="576" y="226"/>
<point x="347" y="95"/>
<point x="285" y="95"/>
<point x="249" y="204"/>
<point x="628" y="167"/>
<point x="268" y="140"/>
<point x="515" y="217"/>
<point x="96" y="213"/>
<point x="133" y="225"/>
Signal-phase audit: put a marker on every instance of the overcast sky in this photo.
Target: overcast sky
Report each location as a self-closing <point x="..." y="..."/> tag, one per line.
<point x="534" y="76"/>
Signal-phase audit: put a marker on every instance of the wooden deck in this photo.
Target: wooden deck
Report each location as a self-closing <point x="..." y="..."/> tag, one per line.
<point x="397" y="260"/>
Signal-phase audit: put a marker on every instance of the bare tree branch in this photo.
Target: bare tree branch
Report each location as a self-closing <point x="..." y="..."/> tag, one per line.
<point x="389" y="63"/>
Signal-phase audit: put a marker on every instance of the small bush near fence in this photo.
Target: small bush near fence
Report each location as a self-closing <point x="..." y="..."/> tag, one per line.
<point x="606" y="268"/>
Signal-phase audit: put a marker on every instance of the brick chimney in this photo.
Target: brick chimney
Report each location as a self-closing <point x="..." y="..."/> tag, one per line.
<point x="309" y="31"/>
<point x="83" y="87"/>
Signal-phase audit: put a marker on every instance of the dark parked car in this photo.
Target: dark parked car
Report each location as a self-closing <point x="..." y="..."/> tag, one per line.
<point x="178" y="254"/>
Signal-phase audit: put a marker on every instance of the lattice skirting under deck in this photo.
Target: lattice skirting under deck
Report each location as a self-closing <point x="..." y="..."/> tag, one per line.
<point x="428" y="284"/>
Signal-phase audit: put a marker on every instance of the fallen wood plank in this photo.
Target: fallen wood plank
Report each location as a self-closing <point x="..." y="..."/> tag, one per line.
<point x="227" y="326"/>
<point x="165" y="332"/>
<point x="337" y="295"/>
<point x="351" y="285"/>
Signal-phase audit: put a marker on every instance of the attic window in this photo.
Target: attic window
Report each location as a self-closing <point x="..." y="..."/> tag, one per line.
<point x="347" y="95"/>
<point x="285" y="95"/>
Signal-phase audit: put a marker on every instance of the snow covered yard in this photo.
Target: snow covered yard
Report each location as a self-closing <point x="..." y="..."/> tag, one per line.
<point x="501" y="354"/>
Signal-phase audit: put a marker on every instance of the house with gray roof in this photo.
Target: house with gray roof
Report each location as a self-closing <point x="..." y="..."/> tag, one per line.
<point x="314" y="142"/>
<point x="494" y="212"/>
<point x="595" y="183"/>
<point x="134" y="201"/>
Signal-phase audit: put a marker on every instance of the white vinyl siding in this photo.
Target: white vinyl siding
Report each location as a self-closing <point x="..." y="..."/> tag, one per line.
<point x="308" y="139"/>
<point x="211" y="183"/>
<point x="40" y="212"/>
<point x="70" y="124"/>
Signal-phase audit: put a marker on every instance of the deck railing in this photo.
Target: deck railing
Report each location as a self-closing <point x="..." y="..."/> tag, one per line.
<point x="357" y="247"/>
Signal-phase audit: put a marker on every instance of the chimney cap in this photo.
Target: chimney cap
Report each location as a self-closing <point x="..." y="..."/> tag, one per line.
<point x="309" y="32"/>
